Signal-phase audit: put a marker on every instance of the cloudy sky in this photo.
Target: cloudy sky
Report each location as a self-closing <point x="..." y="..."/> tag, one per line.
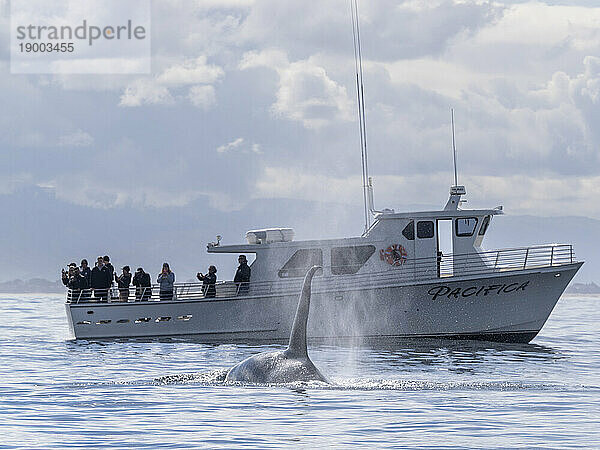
<point x="254" y="101"/>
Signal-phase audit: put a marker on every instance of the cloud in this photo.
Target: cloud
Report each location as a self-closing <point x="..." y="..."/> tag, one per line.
<point x="146" y="92"/>
<point x="528" y="23"/>
<point x="523" y="78"/>
<point x="10" y="183"/>
<point x="93" y="194"/>
<point x="162" y="89"/>
<point x="240" y="145"/>
<point x="306" y="93"/>
<point x="195" y="71"/>
<point x="78" y="138"/>
<point x="391" y="30"/>
<point x="203" y="97"/>
<point x="519" y="193"/>
<point x="231" y="145"/>
<point x="225" y="4"/>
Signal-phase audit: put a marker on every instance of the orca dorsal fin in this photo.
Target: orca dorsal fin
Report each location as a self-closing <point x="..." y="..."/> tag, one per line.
<point x="297" y="345"/>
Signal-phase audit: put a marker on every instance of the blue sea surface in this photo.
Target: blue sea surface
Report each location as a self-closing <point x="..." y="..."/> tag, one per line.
<point x="168" y="393"/>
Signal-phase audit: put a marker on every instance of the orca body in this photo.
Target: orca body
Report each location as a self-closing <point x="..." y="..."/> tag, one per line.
<point x="292" y="364"/>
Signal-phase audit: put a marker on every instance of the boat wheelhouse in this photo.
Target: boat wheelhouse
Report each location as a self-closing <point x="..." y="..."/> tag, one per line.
<point x="393" y="281"/>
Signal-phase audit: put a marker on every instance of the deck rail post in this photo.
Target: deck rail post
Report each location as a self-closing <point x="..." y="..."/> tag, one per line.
<point x="571" y="251"/>
<point x="552" y="257"/>
<point x="525" y="262"/>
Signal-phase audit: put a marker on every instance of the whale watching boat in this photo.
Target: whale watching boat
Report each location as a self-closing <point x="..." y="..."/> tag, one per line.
<point x="392" y="281"/>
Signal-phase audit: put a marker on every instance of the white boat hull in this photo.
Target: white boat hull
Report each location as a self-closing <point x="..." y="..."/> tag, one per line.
<point x="511" y="306"/>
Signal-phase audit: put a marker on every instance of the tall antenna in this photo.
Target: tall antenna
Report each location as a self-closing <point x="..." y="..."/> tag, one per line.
<point x="360" y="98"/>
<point x="454" y="147"/>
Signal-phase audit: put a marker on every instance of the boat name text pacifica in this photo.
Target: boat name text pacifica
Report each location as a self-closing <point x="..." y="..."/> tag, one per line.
<point x="439" y="291"/>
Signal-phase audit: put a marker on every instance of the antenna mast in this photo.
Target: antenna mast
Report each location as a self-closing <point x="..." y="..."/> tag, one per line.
<point x="362" y="121"/>
<point x="454" y="147"/>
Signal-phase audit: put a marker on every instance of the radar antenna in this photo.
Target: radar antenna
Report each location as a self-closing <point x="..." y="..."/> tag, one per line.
<point x="456" y="191"/>
<point x="454" y="147"/>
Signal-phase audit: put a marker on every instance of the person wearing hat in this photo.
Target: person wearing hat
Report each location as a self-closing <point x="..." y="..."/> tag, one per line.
<point x="242" y="275"/>
<point x="123" y="282"/>
<point x="143" y="285"/>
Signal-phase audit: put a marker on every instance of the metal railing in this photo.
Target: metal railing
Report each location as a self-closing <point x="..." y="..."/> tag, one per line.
<point x="407" y="271"/>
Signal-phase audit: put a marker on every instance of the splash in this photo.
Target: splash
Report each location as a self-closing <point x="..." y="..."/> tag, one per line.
<point x="217" y="378"/>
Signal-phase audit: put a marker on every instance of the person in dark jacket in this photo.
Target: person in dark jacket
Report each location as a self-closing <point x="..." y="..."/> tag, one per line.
<point x="67" y="273"/>
<point x="109" y="266"/>
<point x="76" y="283"/>
<point x="208" y="281"/>
<point x="142" y="283"/>
<point x="86" y="271"/>
<point x="101" y="280"/>
<point x="123" y="282"/>
<point x="242" y="275"/>
<point x="166" y="280"/>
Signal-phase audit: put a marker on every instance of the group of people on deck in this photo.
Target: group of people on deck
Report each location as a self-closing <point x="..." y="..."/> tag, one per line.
<point x="81" y="280"/>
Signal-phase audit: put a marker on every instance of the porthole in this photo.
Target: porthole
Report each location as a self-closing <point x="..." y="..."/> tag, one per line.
<point x="123" y="321"/>
<point x="185" y="317"/>
<point x="90" y="312"/>
<point x="84" y="322"/>
<point x="143" y="319"/>
<point x="162" y="319"/>
<point x="103" y="322"/>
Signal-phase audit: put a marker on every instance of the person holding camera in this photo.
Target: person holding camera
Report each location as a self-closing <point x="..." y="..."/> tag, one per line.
<point x="166" y="280"/>
<point x="66" y="274"/>
<point x="75" y="282"/>
<point x="208" y="282"/>
<point x="123" y="282"/>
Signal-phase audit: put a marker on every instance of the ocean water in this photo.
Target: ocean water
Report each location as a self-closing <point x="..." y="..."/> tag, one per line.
<point x="168" y="393"/>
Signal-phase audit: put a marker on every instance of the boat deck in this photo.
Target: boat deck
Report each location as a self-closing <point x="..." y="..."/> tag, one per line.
<point x="410" y="271"/>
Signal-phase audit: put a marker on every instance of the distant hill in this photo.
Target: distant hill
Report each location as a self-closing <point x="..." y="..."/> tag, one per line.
<point x="583" y="288"/>
<point x="32" y="285"/>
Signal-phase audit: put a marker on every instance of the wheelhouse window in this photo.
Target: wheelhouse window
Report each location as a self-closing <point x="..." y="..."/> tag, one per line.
<point x="466" y="226"/>
<point x="349" y="260"/>
<point x="425" y="229"/>
<point x="484" y="225"/>
<point x="300" y="262"/>
<point x="409" y="231"/>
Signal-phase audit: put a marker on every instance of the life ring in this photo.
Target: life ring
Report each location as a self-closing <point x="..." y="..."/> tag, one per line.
<point x="394" y="255"/>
